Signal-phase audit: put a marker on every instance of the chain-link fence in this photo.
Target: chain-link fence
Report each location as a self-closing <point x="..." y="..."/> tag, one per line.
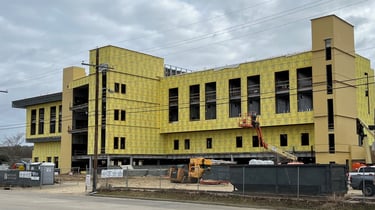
<point x="291" y="180"/>
<point x="149" y="177"/>
<point x="311" y="180"/>
<point x="73" y="177"/>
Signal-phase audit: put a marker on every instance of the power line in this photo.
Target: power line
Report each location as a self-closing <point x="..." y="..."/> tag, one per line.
<point x="246" y="34"/>
<point x="288" y="62"/>
<point x="236" y="27"/>
<point x="270" y="64"/>
<point x="358" y="49"/>
<point x="48" y="74"/>
<point x="160" y="108"/>
<point x="197" y="22"/>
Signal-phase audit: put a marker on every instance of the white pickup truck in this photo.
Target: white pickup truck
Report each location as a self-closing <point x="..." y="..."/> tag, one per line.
<point x="364" y="170"/>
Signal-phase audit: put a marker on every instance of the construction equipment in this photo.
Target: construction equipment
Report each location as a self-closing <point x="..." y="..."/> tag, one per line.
<point x="251" y="121"/>
<point x="194" y="171"/>
<point x="365" y="140"/>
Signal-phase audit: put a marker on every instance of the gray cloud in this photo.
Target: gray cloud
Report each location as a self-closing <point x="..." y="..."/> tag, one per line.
<point x="39" y="38"/>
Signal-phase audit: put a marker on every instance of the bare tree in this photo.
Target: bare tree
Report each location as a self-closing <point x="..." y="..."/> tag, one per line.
<point x="12" y="147"/>
<point x="16" y="140"/>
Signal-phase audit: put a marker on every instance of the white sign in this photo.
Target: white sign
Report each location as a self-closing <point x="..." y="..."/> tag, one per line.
<point x="25" y="174"/>
<point x="112" y="173"/>
<point x="88" y="178"/>
<point x="35" y="178"/>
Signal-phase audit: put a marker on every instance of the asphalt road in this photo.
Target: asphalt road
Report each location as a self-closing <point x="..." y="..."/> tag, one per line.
<point x="33" y="200"/>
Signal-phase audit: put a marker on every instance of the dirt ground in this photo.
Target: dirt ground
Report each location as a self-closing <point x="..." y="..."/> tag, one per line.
<point x="162" y="188"/>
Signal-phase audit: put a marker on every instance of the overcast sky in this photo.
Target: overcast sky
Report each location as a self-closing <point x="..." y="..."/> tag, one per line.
<point x="40" y="37"/>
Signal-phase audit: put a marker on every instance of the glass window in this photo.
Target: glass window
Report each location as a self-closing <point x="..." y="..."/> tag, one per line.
<point x="367" y="169"/>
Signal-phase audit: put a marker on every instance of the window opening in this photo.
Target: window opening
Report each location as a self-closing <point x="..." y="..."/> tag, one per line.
<point x="234" y="97"/>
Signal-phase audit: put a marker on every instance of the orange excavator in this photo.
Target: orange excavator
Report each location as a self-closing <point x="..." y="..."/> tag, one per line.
<point x="251" y="121"/>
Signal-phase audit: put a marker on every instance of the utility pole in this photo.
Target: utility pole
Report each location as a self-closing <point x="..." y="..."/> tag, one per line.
<point x="96" y="121"/>
<point x="95" y="168"/>
<point x="367" y="93"/>
<point x="98" y="68"/>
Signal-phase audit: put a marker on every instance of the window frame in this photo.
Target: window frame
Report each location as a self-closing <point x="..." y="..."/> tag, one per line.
<point x="52" y="119"/>
<point x="283" y="140"/>
<point x="122" y="143"/>
<point x="123" y="115"/>
<point x="176" y="144"/>
<point x="209" y="142"/>
<point x="187" y="144"/>
<point x="116" y="114"/>
<point x="305" y="139"/>
<point x="115" y="142"/>
<point x="41" y="120"/>
<point x="239" y="142"/>
<point x="123" y="88"/>
<point x="116" y="87"/>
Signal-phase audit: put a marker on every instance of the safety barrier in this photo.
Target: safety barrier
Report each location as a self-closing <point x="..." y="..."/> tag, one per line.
<point x="317" y="180"/>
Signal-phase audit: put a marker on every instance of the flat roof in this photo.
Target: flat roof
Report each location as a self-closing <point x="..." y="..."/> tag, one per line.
<point x="23" y="103"/>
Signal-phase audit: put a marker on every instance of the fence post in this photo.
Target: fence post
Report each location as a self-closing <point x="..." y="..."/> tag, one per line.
<point x="40" y="177"/>
<point x="159" y="177"/>
<point x="298" y="182"/>
<point x="198" y="182"/>
<point x="126" y="177"/>
<point x="243" y="180"/>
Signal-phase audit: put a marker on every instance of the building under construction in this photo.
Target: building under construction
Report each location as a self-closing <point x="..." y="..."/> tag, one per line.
<point x="147" y="112"/>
